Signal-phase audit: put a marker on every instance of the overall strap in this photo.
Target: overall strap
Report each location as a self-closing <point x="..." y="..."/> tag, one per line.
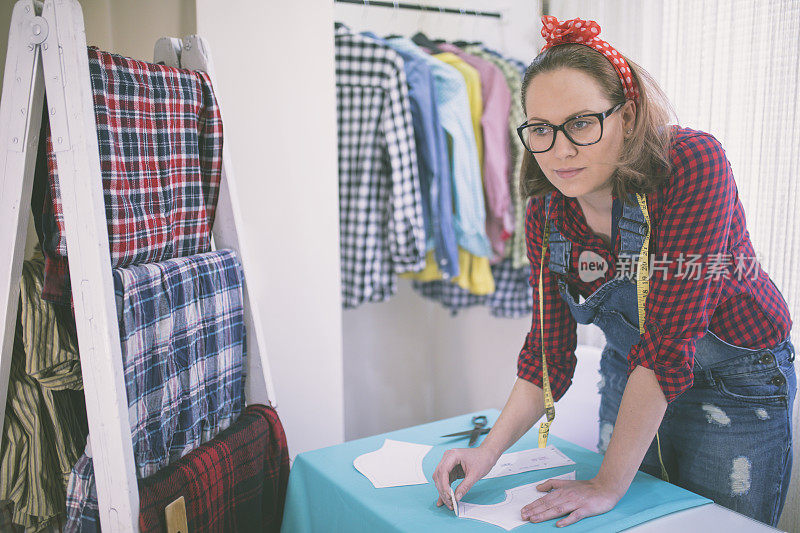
<point x="560" y="248"/>
<point x="632" y="227"/>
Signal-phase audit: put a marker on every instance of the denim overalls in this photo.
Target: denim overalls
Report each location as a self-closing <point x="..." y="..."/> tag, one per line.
<point x="728" y="437"/>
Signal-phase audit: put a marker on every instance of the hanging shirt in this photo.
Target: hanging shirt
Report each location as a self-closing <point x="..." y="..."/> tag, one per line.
<point x="433" y="161"/>
<point x="474" y="97"/>
<point x="475" y="273"/>
<point x="515" y="248"/>
<point x="159" y="134"/>
<point x="45" y="419"/>
<point x="453" y="105"/>
<point x="696" y="217"/>
<point x="511" y="298"/>
<point x="518" y="65"/>
<point x="236" y="482"/>
<point x="496" y="98"/>
<point x="469" y="209"/>
<point x="382" y="231"/>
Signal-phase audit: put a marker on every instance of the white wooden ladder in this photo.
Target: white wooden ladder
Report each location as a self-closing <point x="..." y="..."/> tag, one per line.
<point x="47" y="53"/>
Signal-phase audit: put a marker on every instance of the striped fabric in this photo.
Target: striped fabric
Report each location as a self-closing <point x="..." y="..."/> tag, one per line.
<point x="159" y="132"/>
<point x="183" y="347"/>
<point x="236" y="482"/>
<point x="7" y="524"/>
<point x="45" y="422"/>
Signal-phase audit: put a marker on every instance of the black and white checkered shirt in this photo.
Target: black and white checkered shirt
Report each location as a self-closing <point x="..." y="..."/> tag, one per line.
<point x="382" y="231"/>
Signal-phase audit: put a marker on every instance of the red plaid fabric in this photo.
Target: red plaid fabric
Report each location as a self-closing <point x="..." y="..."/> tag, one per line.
<point x="696" y="211"/>
<point x="236" y="482"/>
<point x="159" y="132"/>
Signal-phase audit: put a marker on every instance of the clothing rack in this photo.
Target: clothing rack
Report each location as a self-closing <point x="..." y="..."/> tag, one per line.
<point x="418" y="7"/>
<point x="47" y="53"/>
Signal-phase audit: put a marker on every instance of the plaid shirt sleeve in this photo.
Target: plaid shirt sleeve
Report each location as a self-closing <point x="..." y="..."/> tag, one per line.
<point x="700" y="193"/>
<point x="560" y="328"/>
<point x="406" y="224"/>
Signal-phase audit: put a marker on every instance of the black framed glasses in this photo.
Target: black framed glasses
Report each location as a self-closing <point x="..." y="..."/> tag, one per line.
<point x="582" y="130"/>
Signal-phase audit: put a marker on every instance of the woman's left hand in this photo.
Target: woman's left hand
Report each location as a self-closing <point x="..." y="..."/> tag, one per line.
<point x="578" y="499"/>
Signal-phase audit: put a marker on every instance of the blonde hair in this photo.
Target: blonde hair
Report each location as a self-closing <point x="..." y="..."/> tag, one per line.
<point x="644" y="161"/>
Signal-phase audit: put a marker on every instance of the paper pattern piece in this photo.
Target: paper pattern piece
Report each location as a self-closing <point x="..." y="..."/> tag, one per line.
<point x="395" y="464"/>
<point x="455" y="502"/>
<point x="507" y="514"/>
<point x="527" y="460"/>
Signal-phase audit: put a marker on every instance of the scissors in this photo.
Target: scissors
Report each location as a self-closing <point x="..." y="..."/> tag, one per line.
<point x="478" y="428"/>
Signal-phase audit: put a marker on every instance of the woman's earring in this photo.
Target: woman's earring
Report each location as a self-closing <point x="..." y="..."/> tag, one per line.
<point x="630" y="131"/>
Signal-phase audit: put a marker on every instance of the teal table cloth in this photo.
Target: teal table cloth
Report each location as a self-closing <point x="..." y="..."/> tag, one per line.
<point x="327" y="494"/>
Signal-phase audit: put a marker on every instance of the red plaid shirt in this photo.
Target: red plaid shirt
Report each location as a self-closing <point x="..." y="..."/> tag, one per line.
<point x="696" y="211"/>
<point x="159" y="135"/>
<point x="236" y="482"/>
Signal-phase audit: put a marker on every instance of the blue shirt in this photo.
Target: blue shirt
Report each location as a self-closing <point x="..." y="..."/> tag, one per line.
<point x="454" y="114"/>
<point x="433" y="161"/>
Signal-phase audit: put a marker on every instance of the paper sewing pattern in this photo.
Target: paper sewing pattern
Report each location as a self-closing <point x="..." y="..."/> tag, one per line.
<point x="507" y="514"/>
<point x="395" y="464"/>
<point x="455" y="502"/>
<point x="527" y="460"/>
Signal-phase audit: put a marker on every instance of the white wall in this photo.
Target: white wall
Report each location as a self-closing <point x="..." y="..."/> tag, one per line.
<point x="275" y="75"/>
<point x="408" y="357"/>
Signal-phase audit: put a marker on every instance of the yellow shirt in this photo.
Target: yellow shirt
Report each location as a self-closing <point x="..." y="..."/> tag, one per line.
<point x="474" y="273"/>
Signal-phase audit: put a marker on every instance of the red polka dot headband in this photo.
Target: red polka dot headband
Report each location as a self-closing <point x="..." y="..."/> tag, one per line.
<point x="586" y="32"/>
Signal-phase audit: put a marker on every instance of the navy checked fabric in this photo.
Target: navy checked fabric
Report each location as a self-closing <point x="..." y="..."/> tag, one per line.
<point x="696" y="212"/>
<point x="83" y="513"/>
<point x="511" y="298"/>
<point x="382" y="231"/>
<point x="183" y="350"/>
<point x="183" y="347"/>
<point x="159" y="133"/>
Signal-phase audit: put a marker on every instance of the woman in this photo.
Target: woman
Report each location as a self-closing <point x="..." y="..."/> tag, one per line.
<point x="698" y="380"/>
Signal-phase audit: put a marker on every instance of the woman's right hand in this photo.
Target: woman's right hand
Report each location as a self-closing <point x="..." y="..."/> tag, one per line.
<point x="468" y="463"/>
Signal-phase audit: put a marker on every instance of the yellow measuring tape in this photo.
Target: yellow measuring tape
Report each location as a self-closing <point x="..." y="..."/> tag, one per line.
<point x="642" y="288"/>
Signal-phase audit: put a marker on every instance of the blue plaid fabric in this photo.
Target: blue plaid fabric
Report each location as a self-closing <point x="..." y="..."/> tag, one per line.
<point x="512" y="298"/>
<point x="83" y="514"/>
<point x="181" y="325"/>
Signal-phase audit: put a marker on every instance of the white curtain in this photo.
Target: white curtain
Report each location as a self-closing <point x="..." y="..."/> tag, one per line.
<point x="731" y="68"/>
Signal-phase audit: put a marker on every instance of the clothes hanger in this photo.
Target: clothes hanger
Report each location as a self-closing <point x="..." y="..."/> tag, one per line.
<point x="421" y="39"/>
<point x="472" y="33"/>
<point x="419" y="20"/>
